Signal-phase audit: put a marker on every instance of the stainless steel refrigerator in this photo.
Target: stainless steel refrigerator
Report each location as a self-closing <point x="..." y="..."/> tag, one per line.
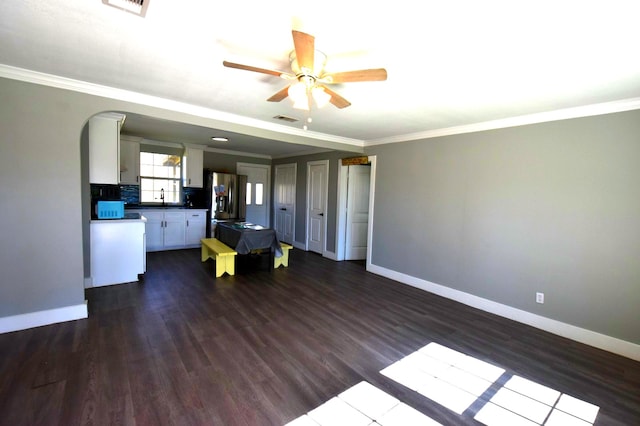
<point x="226" y="200"/>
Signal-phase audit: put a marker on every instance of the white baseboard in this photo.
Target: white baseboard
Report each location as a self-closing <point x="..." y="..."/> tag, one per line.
<point x="40" y="318"/>
<point x="330" y="255"/>
<point x="591" y="338"/>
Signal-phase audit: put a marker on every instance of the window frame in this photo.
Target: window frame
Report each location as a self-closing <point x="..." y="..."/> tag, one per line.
<point x="178" y="179"/>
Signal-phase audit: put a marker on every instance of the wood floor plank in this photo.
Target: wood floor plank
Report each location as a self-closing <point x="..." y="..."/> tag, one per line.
<point x="264" y="347"/>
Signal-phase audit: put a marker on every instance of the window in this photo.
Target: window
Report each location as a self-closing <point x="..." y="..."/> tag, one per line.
<point x="160" y="177"/>
<point x="259" y="194"/>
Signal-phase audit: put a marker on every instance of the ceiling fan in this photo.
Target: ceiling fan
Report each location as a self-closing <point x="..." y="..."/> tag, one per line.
<point x="309" y="78"/>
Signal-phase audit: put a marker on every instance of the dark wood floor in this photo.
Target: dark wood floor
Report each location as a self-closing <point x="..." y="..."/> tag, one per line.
<point x="264" y="347"/>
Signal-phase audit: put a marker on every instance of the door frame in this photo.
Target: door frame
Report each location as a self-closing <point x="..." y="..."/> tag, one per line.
<point x="326" y="200"/>
<point x="341" y="218"/>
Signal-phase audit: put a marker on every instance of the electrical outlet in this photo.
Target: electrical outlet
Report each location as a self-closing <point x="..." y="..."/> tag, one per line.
<point x="539" y="297"/>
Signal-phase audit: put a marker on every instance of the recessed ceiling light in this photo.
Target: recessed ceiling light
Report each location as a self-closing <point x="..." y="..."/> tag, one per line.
<point x="219" y="139"/>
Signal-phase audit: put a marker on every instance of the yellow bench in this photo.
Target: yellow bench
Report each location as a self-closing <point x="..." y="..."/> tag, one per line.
<point x="221" y="253"/>
<point x="284" y="259"/>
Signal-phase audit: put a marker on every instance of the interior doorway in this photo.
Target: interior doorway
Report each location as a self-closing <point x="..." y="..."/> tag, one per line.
<point x="357" y="202"/>
<point x="284" y="201"/>
<point x="317" y="183"/>
<point x="357" y="220"/>
<point x="257" y="192"/>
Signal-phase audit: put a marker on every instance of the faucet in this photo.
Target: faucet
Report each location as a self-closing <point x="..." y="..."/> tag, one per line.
<point x="162" y="196"/>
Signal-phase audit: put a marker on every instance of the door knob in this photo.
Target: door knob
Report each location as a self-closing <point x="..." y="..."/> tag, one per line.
<point x="321" y="214"/>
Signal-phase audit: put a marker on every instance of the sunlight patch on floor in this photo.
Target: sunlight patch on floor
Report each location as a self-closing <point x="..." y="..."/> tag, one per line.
<point x="462" y="384"/>
<point x="363" y="404"/>
<point x="448" y="377"/>
<point x="537" y="404"/>
<point x="457" y="381"/>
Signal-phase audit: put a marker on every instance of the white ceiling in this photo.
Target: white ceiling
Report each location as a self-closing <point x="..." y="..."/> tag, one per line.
<point x="450" y="64"/>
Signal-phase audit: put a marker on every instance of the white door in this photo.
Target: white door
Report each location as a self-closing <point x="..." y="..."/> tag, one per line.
<point x="284" y="201"/>
<point x="257" y="192"/>
<point x="357" y="212"/>
<point x="317" y="174"/>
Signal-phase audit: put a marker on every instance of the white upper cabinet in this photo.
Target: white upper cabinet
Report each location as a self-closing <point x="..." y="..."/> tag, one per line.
<point x="104" y="148"/>
<point x="129" y="161"/>
<point x="192" y="167"/>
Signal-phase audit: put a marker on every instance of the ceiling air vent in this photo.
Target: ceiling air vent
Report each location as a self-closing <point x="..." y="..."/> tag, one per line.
<point x="286" y="118"/>
<point x="137" y="7"/>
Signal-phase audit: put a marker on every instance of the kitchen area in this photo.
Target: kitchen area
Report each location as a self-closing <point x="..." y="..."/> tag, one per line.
<point x="148" y="196"/>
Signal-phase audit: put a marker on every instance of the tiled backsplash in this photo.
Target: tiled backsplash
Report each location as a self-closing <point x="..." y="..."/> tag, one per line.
<point x="130" y="194"/>
<point x="195" y="195"/>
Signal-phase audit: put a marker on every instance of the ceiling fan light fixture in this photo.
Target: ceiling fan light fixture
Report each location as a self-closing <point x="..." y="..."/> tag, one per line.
<point x="298" y="92"/>
<point x="301" y="104"/>
<point x="320" y="96"/>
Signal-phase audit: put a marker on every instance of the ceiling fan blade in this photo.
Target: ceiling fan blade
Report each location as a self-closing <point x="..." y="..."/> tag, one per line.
<point x="254" y="69"/>
<point x="376" y="74"/>
<point x="280" y="95"/>
<point x="305" y="46"/>
<point x="336" y="99"/>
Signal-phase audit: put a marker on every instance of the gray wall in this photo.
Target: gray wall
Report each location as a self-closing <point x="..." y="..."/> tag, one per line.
<point x="503" y="214"/>
<point x="226" y="163"/>
<point x="42" y="193"/>
<point x="86" y="199"/>
<point x="301" y="193"/>
<point x="41" y="246"/>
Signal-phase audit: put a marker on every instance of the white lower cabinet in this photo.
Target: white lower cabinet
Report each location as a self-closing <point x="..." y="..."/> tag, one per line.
<point x="196" y="227"/>
<point x="155" y="229"/>
<point x="174" y="229"/>
<point x="174" y="226"/>
<point x="117" y="251"/>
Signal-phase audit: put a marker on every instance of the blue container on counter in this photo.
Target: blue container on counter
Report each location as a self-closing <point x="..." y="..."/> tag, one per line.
<point x="110" y="209"/>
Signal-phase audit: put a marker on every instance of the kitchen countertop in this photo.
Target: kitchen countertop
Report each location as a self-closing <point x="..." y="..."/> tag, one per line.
<point x="128" y="217"/>
<point x="150" y="207"/>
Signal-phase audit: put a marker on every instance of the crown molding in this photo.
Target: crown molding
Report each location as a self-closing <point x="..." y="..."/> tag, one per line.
<point x="147" y="141"/>
<point x="302" y="153"/>
<point x="238" y="153"/>
<point x="522" y="120"/>
<point x="50" y="80"/>
<point x="182" y="145"/>
<point x="35" y="77"/>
